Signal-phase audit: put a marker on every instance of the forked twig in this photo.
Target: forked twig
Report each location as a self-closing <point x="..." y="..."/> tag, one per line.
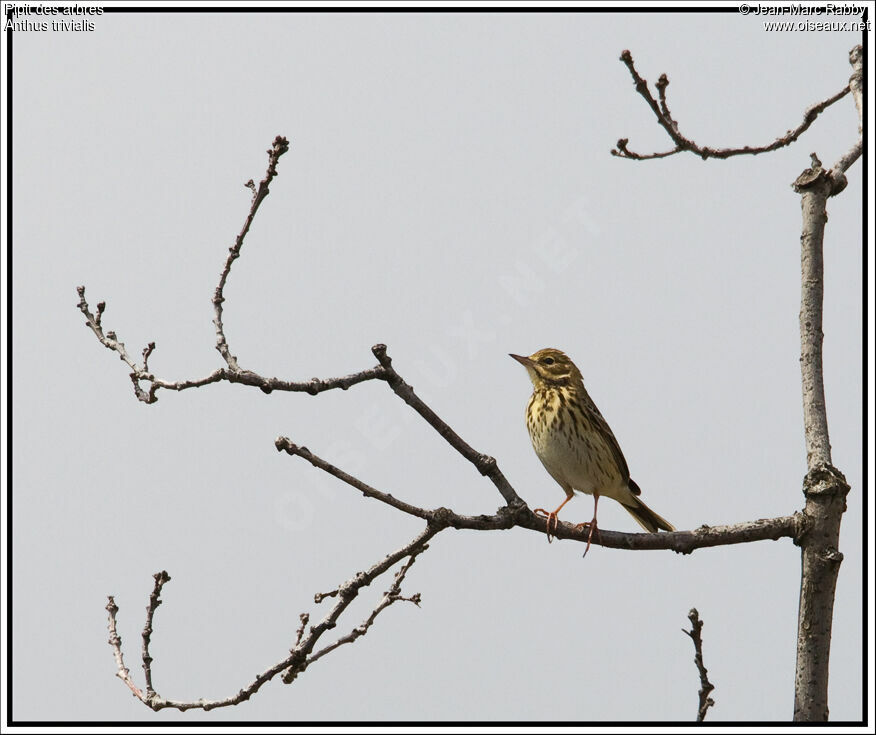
<point x="683" y="143"/>
<point x="300" y="656"/>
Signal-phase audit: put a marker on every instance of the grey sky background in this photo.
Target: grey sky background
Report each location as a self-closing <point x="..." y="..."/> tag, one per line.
<point x="448" y="191"/>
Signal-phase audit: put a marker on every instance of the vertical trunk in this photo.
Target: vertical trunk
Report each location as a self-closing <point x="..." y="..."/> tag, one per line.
<point x="825" y="487"/>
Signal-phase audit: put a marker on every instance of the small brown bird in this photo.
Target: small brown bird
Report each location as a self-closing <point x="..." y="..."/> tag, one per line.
<point x="575" y="444"/>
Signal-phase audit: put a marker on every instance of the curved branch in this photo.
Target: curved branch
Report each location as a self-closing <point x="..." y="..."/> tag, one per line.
<point x="278" y="148"/>
<point x="232" y="373"/>
<point x="683" y="143"/>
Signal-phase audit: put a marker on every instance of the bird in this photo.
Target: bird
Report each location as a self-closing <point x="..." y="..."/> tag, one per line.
<point x="575" y="443"/>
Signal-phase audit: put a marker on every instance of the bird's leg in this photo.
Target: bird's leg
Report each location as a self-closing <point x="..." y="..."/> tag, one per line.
<point x="592" y="524"/>
<point x="552" y="519"/>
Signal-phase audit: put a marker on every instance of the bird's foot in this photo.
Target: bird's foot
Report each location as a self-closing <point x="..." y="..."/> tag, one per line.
<point x="552" y="521"/>
<point x="593" y="529"/>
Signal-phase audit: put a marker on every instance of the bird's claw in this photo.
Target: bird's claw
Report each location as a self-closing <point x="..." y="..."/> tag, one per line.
<point x="593" y="528"/>
<point x="552" y="521"/>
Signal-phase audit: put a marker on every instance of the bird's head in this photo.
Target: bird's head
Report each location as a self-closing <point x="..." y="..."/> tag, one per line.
<point x="549" y="367"/>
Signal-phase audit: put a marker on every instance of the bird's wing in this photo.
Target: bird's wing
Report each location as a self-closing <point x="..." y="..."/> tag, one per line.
<point x="606" y="433"/>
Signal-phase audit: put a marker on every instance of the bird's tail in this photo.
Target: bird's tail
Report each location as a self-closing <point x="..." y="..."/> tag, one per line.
<point x="646" y="517"/>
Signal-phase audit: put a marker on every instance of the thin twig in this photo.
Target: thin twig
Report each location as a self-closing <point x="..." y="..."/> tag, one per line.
<point x="392" y="595"/>
<point x="161" y="578"/>
<point x="706" y="687"/>
<point x="305" y="619"/>
<point x="115" y="640"/>
<point x="485" y="464"/>
<point x="622" y="151"/>
<point x="279" y="147"/>
<point x="111" y="342"/>
<point x="283" y="444"/>
<point x="683" y="143"/>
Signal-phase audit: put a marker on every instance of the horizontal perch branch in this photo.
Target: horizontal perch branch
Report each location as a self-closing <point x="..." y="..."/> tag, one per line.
<point x="682" y="542"/>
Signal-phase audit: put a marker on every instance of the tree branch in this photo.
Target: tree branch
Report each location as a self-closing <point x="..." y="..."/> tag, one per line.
<point x="682" y="542"/>
<point x="485" y="464"/>
<point x="815" y="185"/>
<point x="300" y="656"/>
<point x="232" y="373"/>
<point x="706" y="686"/>
<point x="161" y="578"/>
<point x="392" y="595"/>
<point x="140" y="373"/>
<point x="683" y="143"/>
<point x="279" y="147"/>
<point x="116" y="642"/>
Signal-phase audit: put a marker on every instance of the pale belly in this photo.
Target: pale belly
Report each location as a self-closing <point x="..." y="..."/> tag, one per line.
<point x="584" y="462"/>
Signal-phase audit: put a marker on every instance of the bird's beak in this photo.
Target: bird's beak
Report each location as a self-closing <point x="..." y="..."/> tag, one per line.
<point x="525" y="361"/>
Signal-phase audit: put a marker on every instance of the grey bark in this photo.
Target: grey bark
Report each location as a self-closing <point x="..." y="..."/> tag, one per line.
<point x="825" y="486"/>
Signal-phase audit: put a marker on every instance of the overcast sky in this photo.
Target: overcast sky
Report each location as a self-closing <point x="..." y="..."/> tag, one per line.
<point x="448" y="191"/>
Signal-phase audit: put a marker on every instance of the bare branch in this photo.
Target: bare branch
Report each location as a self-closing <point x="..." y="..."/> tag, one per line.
<point x="814" y="185"/>
<point x="706" y="686"/>
<point x="283" y="444"/>
<point x="392" y="595"/>
<point x="161" y="578"/>
<point x="683" y="143"/>
<point x="279" y="147"/>
<point x="624" y="152"/>
<point x="300" y="656"/>
<point x="843" y="164"/>
<point x="232" y="373"/>
<point x="305" y="619"/>
<point x="115" y="641"/>
<point x="682" y="542"/>
<point x="485" y="464"/>
<point x="111" y="342"/>
<point x="140" y="373"/>
<point x="856" y="59"/>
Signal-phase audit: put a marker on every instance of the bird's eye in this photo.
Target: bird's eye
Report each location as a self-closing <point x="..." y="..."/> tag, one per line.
<point x="548" y="361"/>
